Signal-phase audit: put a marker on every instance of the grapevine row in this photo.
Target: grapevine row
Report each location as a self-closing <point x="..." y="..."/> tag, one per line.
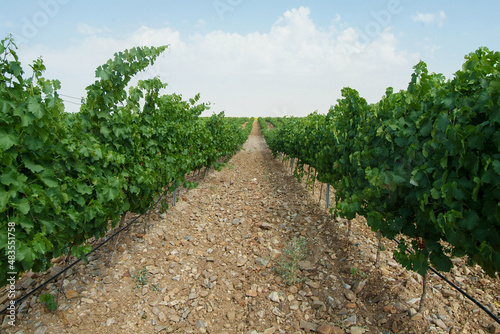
<point x="65" y="178"/>
<point x="422" y="164"/>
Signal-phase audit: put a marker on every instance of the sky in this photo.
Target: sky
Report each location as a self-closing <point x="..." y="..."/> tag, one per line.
<point x="252" y="57"/>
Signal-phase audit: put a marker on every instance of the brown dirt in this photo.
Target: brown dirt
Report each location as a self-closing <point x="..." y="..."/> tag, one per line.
<point x="211" y="268"/>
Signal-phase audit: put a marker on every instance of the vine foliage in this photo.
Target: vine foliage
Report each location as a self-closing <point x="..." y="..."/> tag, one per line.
<point x="422" y="164"/>
<point x="65" y="178"/>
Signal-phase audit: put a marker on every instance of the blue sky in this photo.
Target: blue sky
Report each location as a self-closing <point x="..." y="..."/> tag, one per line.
<point x="255" y="58"/>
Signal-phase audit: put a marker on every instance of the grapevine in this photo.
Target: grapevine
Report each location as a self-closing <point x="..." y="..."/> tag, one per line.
<point x="66" y="177"/>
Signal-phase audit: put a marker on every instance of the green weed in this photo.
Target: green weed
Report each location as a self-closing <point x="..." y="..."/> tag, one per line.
<point x="141" y="278"/>
<point x="357" y="273"/>
<point x="288" y="266"/>
<point x="49" y="301"/>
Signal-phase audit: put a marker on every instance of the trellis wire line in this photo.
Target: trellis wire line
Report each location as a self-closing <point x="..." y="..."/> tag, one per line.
<point x="484" y="308"/>
<point x="20" y="299"/>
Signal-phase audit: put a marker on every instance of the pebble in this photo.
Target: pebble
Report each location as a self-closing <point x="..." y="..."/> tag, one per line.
<point x="343" y="312"/>
<point x="358" y="286"/>
<point x="331" y="301"/>
<point x="28" y="282"/>
<point x="174" y="318"/>
<point x="33" y="301"/>
<point x="314" y="284"/>
<point x="86" y="280"/>
<point x="261" y="262"/>
<point x="494" y="328"/>
<point x="440" y="323"/>
<point x="201" y="324"/>
<point x="252" y="293"/>
<point x="392" y="263"/>
<point x="318" y="305"/>
<point x="308" y="326"/>
<point x="275" y="254"/>
<point x="350" y="321"/>
<point x="466" y="271"/>
<point x="269" y="330"/>
<point x="350" y="295"/>
<point x="241" y="262"/>
<point x="400" y="307"/>
<point x="413" y="300"/>
<point x="346" y="286"/>
<point x="23" y="308"/>
<point x="87" y="300"/>
<point x="266" y="226"/>
<point x="113" y="306"/>
<point x="273" y="296"/>
<point x="306" y="266"/>
<point x="70" y="294"/>
<point x="337" y="330"/>
<point x="390" y="309"/>
<point x="449" y="293"/>
<point x="385" y="272"/>
<point x="211" y="238"/>
<point x="276" y="311"/>
<point x="41" y="330"/>
<point x="324" y="329"/>
<point x="357" y="330"/>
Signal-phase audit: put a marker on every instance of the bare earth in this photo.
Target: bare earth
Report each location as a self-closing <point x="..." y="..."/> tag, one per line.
<point x="210" y="268"/>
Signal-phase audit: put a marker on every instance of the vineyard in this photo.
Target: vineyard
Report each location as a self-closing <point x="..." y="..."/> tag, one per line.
<point x="411" y="186"/>
<point x="422" y="163"/>
<point x="66" y="178"/>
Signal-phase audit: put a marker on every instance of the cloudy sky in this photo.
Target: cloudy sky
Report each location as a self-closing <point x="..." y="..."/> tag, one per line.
<point x="253" y="57"/>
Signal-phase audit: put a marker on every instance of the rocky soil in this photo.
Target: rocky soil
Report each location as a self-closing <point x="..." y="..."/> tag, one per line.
<point x="220" y="260"/>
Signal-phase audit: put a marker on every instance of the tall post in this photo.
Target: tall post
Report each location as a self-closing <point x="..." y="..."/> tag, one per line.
<point x="327" y="195"/>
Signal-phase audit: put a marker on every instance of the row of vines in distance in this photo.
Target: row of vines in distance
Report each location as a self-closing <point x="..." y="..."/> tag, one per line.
<point x="422" y="164"/>
<point x="64" y="177"/>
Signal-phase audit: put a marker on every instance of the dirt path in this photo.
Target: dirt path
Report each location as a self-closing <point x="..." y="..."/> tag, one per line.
<point x="209" y="267"/>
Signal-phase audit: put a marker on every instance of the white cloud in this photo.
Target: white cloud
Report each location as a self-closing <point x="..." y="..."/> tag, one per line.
<point x="86" y="29"/>
<point x="430" y="18"/>
<point x="294" y="68"/>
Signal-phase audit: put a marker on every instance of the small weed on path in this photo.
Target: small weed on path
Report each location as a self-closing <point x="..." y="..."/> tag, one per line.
<point x="288" y="266"/>
<point x="141" y="278"/>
